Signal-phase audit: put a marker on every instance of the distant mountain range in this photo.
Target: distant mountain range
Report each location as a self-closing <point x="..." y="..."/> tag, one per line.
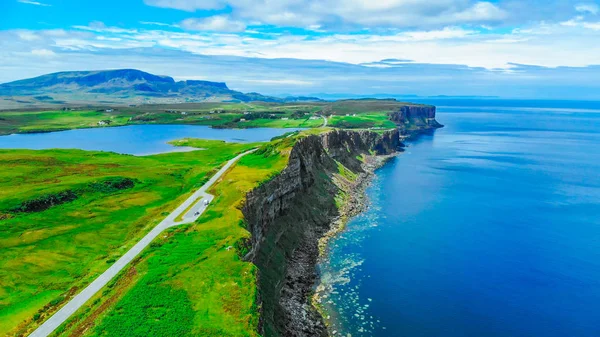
<point x="123" y="86"/>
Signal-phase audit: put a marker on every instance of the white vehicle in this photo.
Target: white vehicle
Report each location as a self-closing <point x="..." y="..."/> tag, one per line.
<point x="206" y="202"/>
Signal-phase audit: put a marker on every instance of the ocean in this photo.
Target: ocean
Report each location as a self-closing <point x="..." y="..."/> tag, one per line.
<point x="487" y="227"/>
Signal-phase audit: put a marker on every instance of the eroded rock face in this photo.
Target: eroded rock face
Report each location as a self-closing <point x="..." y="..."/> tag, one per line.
<point x="416" y="117"/>
<point x="289" y="214"/>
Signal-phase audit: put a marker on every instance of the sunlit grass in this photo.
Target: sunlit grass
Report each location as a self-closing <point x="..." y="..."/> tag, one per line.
<point x="196" y="271"/>
<point x="45" y="254"/>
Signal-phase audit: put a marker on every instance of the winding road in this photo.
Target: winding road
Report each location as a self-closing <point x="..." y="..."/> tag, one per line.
<point x="324" y="121"/>
<point x="197" y="200"/>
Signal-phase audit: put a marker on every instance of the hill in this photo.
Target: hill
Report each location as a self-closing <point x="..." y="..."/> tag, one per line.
<point x="120" y="86"/>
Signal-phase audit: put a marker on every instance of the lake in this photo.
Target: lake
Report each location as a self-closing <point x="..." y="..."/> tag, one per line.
<point x="487" y="227"/>
<point x="133" y="139"/>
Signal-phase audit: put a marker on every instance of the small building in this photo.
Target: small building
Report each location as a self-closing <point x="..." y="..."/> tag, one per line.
<point x="101" y="123"/>
<point x="109" y="110"/>
<point x="284" y="119"/>
<point x="242" y="119"/>
<point x="184" y="113"/>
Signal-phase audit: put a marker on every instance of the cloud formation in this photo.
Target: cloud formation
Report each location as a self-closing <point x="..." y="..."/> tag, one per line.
<point x="440" y="46"/>
<point x="590" y="8"/>
<point x="218" y="23"/>
<point x="388" y="13"/>
<point x="30" y="2"/>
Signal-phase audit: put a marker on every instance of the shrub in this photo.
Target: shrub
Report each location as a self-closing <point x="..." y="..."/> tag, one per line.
<point x="45" y="201"/>
<point x="112" y="184"/>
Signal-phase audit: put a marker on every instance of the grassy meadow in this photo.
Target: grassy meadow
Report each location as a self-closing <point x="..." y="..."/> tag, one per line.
<point x="223" y="115"/>
<point x="52" y="246"/>
<point x="344" y="114"/>
<point x="361" y="121"/>
<point x="45" y="121"/>
<point x="191" y="281"/>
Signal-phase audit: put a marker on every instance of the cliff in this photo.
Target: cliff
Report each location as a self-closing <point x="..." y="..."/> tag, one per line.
<point x="288" y="215"/>
<point x="415" y="117"/>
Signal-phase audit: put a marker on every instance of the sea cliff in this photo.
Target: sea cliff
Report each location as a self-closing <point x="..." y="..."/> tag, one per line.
<point x="415" y="118"/>
<point x="289" y="216"/>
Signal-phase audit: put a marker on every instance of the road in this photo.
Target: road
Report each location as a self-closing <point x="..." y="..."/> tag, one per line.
<point x="324" y="121"/>
<point x="196" y="199"/>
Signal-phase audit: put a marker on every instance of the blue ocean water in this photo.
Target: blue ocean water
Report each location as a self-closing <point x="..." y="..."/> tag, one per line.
<point x="134" y="139"/>
<point x="487" y="227"/>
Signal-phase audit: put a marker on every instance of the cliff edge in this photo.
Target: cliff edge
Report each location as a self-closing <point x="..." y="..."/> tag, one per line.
<point x="412" y="118"/>
<point x="290" y="214"/>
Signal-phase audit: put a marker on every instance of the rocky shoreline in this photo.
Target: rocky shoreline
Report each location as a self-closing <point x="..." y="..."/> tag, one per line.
<point x="291" y="216"/>
<point x="355" y="204"/>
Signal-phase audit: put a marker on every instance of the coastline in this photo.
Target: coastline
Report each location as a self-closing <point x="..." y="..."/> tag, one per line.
<point x="355" y="204"/>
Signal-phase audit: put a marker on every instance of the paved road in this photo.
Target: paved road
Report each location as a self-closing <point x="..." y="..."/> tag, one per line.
<point x="324" y="121"/>
<point x="78" y="301"/>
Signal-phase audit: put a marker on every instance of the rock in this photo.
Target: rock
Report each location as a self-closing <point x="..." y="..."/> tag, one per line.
<point x="290" y="215"/>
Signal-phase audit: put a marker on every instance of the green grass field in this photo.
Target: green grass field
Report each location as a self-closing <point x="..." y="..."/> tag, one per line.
<point x="362" y="121"/>
<point x="369" y="114"/>
<point x="222" y="115"/>
<point x="191" y="281"/>
<point x="43" y="121"/>
<point x="48" y="254"/>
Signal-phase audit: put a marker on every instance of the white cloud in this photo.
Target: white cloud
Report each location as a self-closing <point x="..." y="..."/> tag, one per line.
<point x="276" y="82"/>
<point x="218" y="23"/>
<point x="592" y="25"/>
<point x="160" y="24"/>
<point x="43" y="53"/>
<point x="329" y="13"/>
<point x="446" y="33"/>
<point x="186" y="5"/>
<point x="100" y="27"/>
<point x="579" y="21"/>
<point x="27" y="35"/>
<point x="29" y="2"/>
<point x="540" y="44"/>
<point x="591" y="8"/>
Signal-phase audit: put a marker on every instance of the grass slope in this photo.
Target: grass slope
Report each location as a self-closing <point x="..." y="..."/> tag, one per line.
<point x="48" y="255"/>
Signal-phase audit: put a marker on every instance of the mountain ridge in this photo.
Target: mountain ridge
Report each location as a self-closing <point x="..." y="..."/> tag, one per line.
<point x="120" y="86"/>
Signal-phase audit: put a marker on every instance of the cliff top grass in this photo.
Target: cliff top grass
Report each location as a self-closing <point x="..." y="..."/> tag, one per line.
<point x="66" y="215"/>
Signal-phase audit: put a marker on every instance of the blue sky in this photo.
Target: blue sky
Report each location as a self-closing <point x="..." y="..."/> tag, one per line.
<point x="505" y="48"/>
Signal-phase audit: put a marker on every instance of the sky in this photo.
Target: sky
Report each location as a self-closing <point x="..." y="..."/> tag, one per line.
<point x="505" y="48"/>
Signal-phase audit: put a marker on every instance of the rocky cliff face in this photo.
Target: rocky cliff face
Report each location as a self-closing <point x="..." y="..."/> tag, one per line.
<point x="289" y="214"/>
<point x="415" y="117"/>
